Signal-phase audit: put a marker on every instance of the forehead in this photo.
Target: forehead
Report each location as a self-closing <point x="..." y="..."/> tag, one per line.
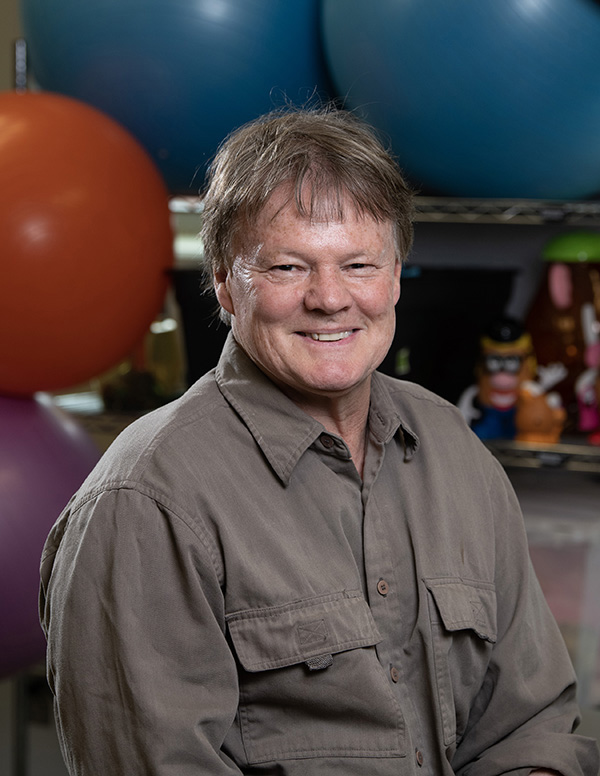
<point x="284" y="209"/>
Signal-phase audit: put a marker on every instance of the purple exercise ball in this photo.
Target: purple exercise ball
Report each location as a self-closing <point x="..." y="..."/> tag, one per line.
<point x="44" y="457"/>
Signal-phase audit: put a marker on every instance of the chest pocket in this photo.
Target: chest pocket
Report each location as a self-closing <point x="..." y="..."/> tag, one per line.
<point x="463" y="626"/>
<point x="311" y="684"/>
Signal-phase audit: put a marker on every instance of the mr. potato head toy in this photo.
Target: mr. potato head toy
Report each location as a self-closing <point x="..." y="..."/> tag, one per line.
<point x="506" y="361"/>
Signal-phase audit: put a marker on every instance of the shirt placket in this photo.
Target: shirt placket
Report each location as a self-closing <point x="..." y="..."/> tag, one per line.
<point x="385" y="539"/>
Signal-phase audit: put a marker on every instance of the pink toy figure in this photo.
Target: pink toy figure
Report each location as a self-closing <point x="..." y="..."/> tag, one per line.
<point x="586" y="385"/>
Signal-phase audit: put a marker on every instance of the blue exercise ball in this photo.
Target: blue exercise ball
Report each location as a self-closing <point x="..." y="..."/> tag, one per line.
<point x="494" y="98"/>
<point x="179" y="74"/>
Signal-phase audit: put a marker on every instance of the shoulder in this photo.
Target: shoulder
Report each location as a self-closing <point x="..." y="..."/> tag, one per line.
<point x="444" y="437"/>
<point x="419" y="405"/>
<point x="152" y="454"/>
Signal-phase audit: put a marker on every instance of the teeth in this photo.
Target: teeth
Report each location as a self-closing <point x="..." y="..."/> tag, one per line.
<point x="334" y="336"/>
<point x="503" y="400"/>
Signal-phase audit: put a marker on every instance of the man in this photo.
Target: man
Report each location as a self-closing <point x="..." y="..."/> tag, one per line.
<point x="303" y="566"/>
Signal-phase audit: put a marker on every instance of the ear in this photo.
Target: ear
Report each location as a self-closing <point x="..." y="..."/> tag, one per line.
<point x="397" y="274"/>
<point x="221" y="286"/>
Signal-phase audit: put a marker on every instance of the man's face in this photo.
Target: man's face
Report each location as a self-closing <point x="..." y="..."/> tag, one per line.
<point x="312" y="303"/>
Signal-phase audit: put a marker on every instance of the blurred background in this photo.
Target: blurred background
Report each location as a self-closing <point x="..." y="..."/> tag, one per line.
<point x="109" y="115"/>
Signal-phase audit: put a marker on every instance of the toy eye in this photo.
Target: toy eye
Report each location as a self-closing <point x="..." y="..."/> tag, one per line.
<point x="493" y="364"/>
<point x="512" y="364"/>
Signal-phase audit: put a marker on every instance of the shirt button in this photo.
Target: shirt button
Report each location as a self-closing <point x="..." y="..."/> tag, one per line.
<point x="382" y="587"/>
<point x="419" y="757"/>
<point x="395" y="674"/>
<point x="327" y="441"/>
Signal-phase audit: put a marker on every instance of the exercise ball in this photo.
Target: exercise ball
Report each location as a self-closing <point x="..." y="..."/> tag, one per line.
<point x="44" y="457"/>
<point x="179" y="74"/>
<point x="478" y="99"/>
<point x="86" y="242"/>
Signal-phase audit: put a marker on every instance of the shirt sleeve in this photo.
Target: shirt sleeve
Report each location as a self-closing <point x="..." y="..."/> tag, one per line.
<point x="526" y="711"/>
<point x="144" y="681"/>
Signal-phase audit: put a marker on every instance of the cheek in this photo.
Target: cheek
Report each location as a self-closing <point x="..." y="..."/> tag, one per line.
<point x="380" y="302"/>
<point x="279" y="303"/>
<point x="397" y="283"/>
<point x="382" y="297"/>
<point x="267" y="304"/>
<point x="239" y="288"/>
<point x="483" y="384"/>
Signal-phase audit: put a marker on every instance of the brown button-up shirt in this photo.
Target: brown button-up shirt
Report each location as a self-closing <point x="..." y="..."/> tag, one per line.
<point x="226" y="595"/>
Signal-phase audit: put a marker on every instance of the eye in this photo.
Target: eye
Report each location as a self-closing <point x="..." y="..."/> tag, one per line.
<point x="286" y="272"/>
<point x="512" y="364"/>
<point x="493" y="364"/>
<point x="359" y="268"/>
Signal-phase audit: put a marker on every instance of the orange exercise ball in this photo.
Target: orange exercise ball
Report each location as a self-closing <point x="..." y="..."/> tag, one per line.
<point x="85" y="238"/>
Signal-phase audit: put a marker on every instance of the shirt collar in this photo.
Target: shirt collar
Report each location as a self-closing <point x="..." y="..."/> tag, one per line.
<point x="384" y="417"/>
<point x="280" y="428"/>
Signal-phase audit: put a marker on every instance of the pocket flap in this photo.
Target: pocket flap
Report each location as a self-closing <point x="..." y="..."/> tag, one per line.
<point x="464" y="605"/>
<point x="285" y="635"/>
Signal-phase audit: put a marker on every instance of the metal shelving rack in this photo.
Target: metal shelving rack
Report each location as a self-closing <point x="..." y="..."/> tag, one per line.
<point x="567" y="455"/>
<point x="483" y="211"/>
<point x="507" y="211"/>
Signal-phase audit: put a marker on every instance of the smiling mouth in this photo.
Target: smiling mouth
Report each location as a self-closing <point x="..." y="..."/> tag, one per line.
<point x="330" y="336"/>
<point x="503" y="399"/>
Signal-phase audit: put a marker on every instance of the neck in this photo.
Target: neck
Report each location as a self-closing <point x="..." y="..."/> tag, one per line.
<point x="345" y="416"/>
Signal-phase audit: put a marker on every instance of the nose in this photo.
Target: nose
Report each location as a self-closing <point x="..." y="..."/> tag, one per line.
<point x="327" y="291"/>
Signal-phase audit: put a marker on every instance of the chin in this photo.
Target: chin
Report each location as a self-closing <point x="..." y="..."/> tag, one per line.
<point x="336" y="386"/>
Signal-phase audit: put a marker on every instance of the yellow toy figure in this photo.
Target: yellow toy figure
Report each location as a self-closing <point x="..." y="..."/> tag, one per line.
<point x="507" y="361"/>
